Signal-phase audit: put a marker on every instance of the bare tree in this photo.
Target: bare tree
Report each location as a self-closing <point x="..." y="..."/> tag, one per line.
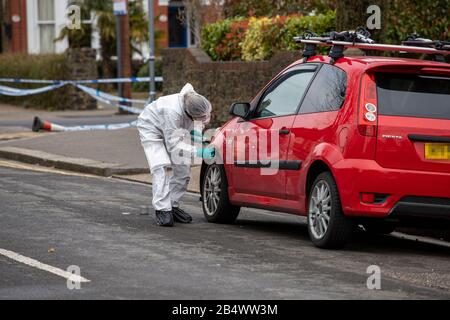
<point x="197" y="13"/>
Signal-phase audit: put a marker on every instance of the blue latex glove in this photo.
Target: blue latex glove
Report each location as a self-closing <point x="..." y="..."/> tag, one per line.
<point x="196" y="136"/>
<point x="206" y="153"/>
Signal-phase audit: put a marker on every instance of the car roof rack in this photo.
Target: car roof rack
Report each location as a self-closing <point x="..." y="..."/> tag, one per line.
<point x="360" y="38"/>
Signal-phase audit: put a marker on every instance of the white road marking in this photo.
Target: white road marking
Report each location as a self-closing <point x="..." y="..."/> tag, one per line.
<point x="41" y="266"/>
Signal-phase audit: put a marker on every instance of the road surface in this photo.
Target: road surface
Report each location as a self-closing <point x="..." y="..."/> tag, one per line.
<point x="60" y="220"/>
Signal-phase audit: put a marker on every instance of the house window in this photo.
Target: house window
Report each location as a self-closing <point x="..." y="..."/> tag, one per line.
<point x="46" y="24"/>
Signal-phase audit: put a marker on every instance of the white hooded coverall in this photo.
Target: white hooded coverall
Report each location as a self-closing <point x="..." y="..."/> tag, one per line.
<point x="163" y="125"/>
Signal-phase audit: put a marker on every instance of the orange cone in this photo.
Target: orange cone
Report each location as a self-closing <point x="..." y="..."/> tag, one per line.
<point x="39" y="125"/>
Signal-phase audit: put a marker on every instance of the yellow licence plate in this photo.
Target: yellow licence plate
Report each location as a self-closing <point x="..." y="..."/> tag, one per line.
<point x="437" y="151"/>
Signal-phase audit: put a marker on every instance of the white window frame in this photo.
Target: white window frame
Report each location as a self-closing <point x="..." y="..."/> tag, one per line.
<point x="34" y="46"/>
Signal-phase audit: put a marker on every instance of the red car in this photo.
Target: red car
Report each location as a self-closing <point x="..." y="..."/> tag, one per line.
<point x="362" y="141"/>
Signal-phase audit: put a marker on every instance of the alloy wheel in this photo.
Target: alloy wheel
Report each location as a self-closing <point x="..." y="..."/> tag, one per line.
<point x="212" y="190"/>
<point x="320" y="209"/>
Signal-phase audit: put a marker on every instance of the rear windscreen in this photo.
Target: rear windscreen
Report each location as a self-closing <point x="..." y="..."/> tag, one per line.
<point x="413" y="96"/>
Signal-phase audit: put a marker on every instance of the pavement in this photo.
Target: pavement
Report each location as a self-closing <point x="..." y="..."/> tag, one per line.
<point x="49" y="223"/>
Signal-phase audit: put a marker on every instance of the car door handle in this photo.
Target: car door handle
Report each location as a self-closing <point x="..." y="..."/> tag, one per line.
<point x="285" y="131"/>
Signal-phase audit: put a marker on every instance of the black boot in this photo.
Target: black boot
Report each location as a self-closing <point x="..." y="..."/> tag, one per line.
<point x="181" y="216"/>
<point x="164" y="218"/>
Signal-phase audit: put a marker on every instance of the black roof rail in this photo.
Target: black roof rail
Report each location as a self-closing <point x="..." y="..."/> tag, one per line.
<point x="360" y="38"/>
<point x="416" y="40"/>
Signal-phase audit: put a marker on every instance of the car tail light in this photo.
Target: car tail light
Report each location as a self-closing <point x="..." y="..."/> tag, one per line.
<point x="368" y="109"/>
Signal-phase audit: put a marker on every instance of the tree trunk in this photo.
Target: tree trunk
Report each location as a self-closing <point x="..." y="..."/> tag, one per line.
<point x="107" y="64"/>
<point x="1" y="26"/>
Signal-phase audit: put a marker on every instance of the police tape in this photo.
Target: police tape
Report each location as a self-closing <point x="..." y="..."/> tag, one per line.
<point x="106" y="96"/>
<point x="93" y="93"/>
<point x="95" y="81"/>
<point x="14" y="92"/>
<point x="39" y="124"/>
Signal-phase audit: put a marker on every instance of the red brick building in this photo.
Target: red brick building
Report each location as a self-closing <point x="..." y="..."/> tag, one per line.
<point x="13" y="33"/>
<point x="30" y="26"/>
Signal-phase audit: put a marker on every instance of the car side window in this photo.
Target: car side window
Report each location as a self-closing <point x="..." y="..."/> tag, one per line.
<point x="327" y="92"/>
<point x="284" y="97"/>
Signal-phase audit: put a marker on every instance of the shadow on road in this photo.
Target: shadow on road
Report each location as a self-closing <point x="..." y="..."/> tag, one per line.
<point x="362" y="241"/>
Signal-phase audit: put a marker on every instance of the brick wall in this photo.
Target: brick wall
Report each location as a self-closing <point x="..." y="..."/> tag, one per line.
<point x="81" y="65"/>
<point x="221" y="82"/>
<point x="19" y="28"/>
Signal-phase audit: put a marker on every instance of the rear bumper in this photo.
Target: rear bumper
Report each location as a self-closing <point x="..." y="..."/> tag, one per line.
<point x="409" y="193"/>
<point x="422" y="207"/>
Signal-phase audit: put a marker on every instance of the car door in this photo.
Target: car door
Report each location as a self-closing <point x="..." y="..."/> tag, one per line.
<point x="317" y="122"/>
<point x="262" y="142"/>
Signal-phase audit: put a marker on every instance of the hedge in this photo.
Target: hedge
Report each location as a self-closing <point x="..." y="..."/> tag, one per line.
<point x="429" y="18"/>
<point x="260" y="38"/>
<point x="221" y="40"/>
<point x="44" y="67"/>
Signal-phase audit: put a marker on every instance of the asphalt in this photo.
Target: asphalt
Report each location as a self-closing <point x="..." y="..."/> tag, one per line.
<point x="263" y="256"/>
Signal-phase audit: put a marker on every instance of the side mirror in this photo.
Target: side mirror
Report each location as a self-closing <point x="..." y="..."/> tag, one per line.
<point x="240" y="109"/>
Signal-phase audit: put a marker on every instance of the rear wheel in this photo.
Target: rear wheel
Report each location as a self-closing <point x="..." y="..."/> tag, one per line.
<point x="216" y="204"/>
<point x="327" y="226"/>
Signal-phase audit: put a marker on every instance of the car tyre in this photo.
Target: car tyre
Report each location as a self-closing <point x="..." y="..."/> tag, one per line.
<point x="327" y="226"/>
<point x="216" y="203"/>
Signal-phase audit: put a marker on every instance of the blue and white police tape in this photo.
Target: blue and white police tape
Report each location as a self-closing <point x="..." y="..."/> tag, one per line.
<point x="97" y="93"/>
<point x="14" y="92"/>
<point x="93" y="94"/>
<point x="94" y="81"/>
<point x="120" y="80"/>
<point x="39" y="125"/>
<point x="106" y="98"/>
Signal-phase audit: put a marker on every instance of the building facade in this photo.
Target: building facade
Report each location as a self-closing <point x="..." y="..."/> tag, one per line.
<point x="31" y="26"/>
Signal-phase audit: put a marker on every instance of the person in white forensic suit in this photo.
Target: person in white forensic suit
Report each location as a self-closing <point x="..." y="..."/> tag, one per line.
<point x="163" y="127"/>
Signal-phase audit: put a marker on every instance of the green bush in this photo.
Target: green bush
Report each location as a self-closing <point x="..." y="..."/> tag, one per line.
<point x="272" y="8"/>
<point x="429" y="18"/>
<point x="220" y="39"/>
<point x="260" y="38"/>
<point x="42" y="67"/>
<point x="263" y="38"/>
<point x="296" y="26"/>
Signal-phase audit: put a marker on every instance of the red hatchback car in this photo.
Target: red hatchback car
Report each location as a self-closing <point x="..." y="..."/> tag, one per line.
<point x="362" y="141"/>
